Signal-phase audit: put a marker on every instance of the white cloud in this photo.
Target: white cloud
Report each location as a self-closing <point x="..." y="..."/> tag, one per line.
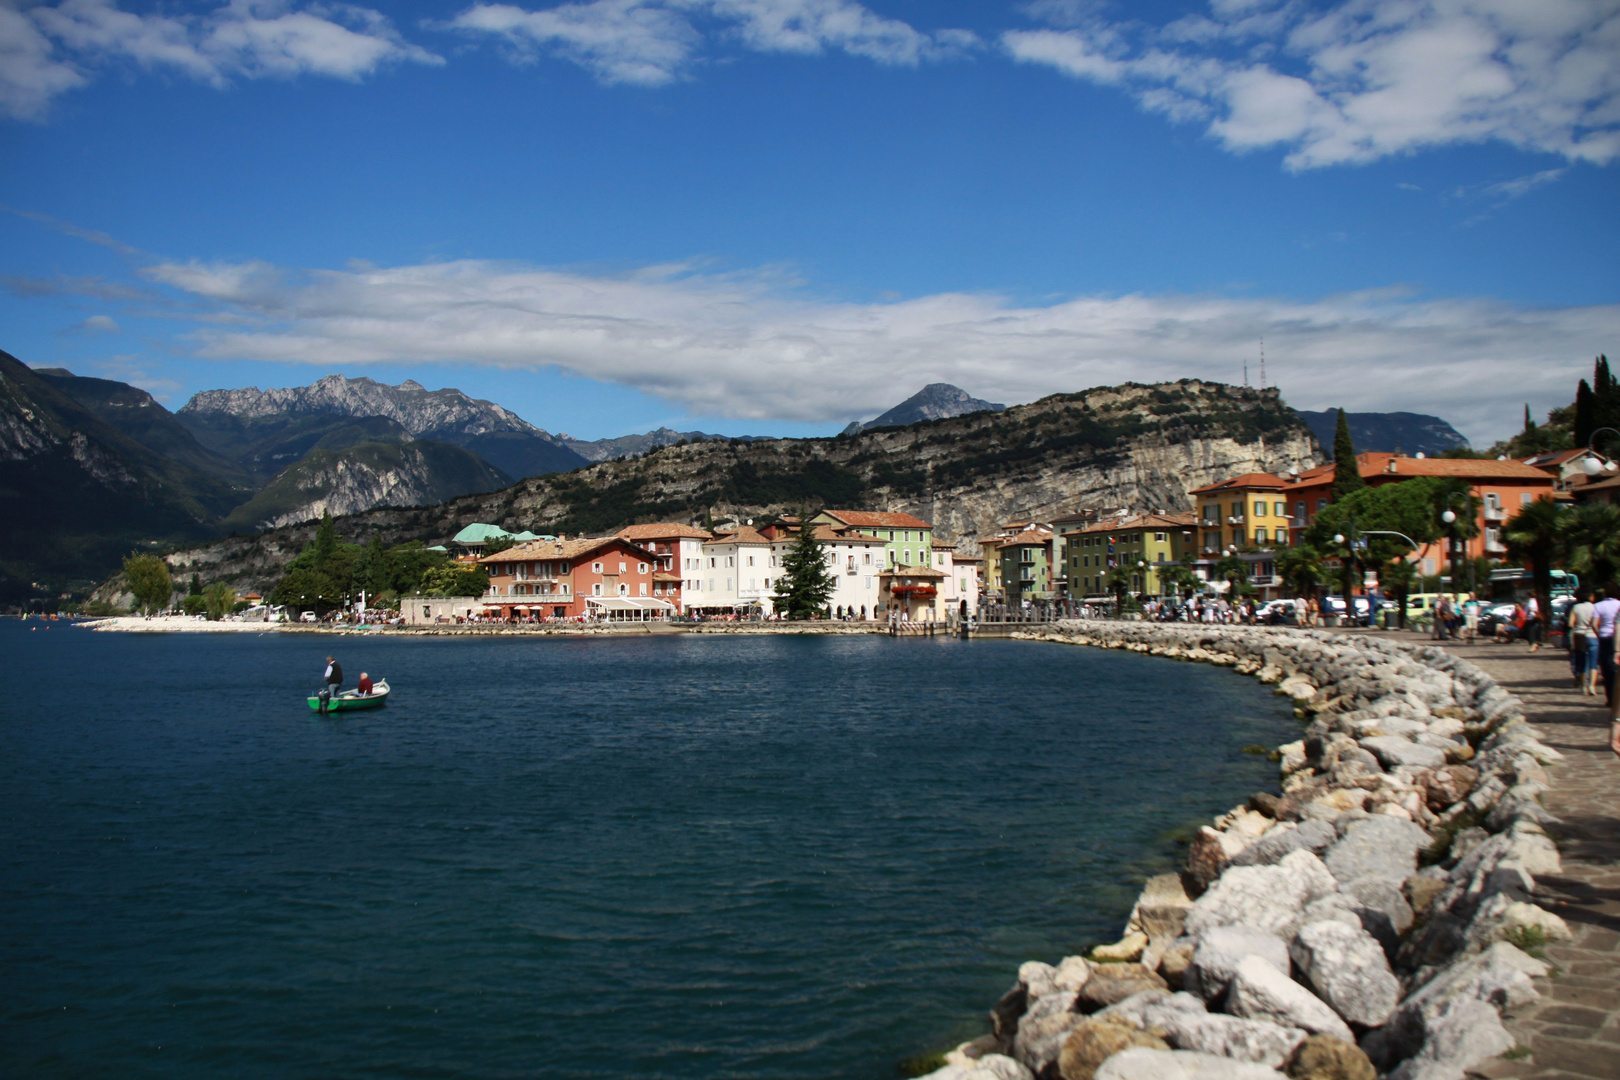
<point x="1364" y="79"/>
<point x="651" y="42"/>
<point x="748" y="347"/>
<point x="98" y="324"/>
<point x="30" y="72"/>
<point x="48" y="49"/>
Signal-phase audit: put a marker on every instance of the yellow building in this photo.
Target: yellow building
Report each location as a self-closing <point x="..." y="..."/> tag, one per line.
<point x="1142" y="544"/>
<point x="1245" y="513"/>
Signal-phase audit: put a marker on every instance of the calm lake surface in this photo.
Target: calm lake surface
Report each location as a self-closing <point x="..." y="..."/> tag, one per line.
<point x="685" y="856"/>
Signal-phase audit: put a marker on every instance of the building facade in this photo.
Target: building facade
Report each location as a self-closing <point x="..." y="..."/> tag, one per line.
<point x="908" y="540"/>
<point x="554" y="579"/>
<point x="678" y="557"/>
<point x="1142" y="544"/>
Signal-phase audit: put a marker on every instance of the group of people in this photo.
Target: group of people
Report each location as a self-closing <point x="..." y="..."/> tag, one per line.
<point x="1591" y="650"/>
<point x="333" y="679"/>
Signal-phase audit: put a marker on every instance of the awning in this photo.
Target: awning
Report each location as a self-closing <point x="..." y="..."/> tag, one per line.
<point x="628" y="603"/>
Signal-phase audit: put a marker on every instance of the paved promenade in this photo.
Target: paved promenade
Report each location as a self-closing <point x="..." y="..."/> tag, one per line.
<point x="1574" y="1031"/>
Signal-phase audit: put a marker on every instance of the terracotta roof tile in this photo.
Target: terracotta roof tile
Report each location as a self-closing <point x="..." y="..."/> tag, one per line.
<point x="1261" y="480"/>
<point x="744" y="535"/>
<point x="562" y="549"/>
<point x="877" y="519"/>
<point x="1141" y="521"/>
<point x="913" y="571"/>
<point x="662" y="531"/>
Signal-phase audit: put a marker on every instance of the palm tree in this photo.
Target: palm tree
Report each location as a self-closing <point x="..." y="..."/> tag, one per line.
<point x="1592" y="543"/>
<point x="1537" y="534"/>
<point x="1397" y="577"/>
<point x="1233" y="570"/>
<point x="1301" y="567"/>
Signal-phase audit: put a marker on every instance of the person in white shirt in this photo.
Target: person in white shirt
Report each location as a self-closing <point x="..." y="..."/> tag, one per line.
<point x="1604" y="612"/>
<point x="1583" y="643"/>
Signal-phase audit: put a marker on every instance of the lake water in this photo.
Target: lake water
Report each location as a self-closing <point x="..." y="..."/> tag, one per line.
<point x="693" y="856"/>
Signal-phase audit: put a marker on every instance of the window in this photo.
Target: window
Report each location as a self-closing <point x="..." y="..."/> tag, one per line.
<point x="1280" y="510"/>
<point x="868" y="558"/>
<point x="728" y="584"/>
<point x="621" y="567"/>
<point x="1212" y="513"/>
<point x="907" y="558"/>
<point x="596" y="588"/>
<point x="1161" y="537"/>
<point x="731" y="560"/>
<point x="1525" y="498"/>
<point x="1321" y="505"/>
<point x="641" y="568"/>
<point x="643" y="588"/>
<point x="563" y="588"/>
<point x="750" y="560"/>
<point x="711" y="584"/>
<point x="1237" y="509"/>
<point x="1260" y="535"/>
<point x="751" y="583"/>
<point x="1259" y="508"/>
<point x="624" y="590"/>
<point x="596" y="568"/>
<point x="711" y="562"/>
<point x="1282" y="537"/>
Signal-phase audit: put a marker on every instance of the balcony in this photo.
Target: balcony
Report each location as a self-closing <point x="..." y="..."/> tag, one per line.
<point x="1495" y="547"/>
<point x="1496" y="514"/>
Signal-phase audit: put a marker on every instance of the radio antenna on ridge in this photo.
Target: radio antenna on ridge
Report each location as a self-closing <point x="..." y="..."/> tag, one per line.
<point x="1262" y="361"/>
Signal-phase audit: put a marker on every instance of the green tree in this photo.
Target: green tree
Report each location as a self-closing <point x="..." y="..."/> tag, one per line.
<point x="149" y="582"/>
<point x="195" y="604"/>
<point x="1396" y="578"/>
<point x="1178" y="579"/>
<point x="455" y="579"/>
<point x="1118" y="581"/>
<point x="497" y="544"/>
<point x="196" y="586"/>
<point x="219" y="599"/>
<point x="1592" y="543"/>
<point x="1301" y="567"/>
<point x="1537" y="534"/>
<point x="408" y="562"/>
<point x="325" y="543"/>
<point x="1235" y="572"/>
<point x="371" y="570"/>
<point x="806" y="582"/>
<point x="1346" y="471"/>
<point x="304" y="589"/>
<point x="1454" y="495"/>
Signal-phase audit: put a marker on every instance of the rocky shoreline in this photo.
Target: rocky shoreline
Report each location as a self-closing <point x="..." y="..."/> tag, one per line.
<point x="1371" y="919"/>
<point x="136" y="624"/>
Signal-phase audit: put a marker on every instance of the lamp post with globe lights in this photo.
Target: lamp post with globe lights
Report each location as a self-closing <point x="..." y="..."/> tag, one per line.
<point x="1592" y="466"/>
<point x="1448" y="517"/>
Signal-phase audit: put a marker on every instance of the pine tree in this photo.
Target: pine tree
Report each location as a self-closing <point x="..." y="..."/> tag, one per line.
<point x="1346" y="471"/>
<point x="1529" y="424"/>
<point x="806" y="583"/>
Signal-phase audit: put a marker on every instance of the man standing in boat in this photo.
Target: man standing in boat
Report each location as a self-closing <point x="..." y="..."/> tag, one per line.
<point x="334" y="679"/>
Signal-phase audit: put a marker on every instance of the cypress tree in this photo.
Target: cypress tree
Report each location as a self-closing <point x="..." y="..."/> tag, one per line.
<point x="1346" y="472"/>
<point x="1585" y="413"/>
<point x="1529" y="424"/>
<point x="1605" y="400"/>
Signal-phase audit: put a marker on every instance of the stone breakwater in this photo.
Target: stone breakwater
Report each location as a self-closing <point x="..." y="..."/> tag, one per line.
<point x="1371" y="919"/>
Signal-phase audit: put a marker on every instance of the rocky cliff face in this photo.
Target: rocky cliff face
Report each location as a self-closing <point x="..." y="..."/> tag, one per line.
<point x="422" y="472"/>
<point x="1138" y="446"/>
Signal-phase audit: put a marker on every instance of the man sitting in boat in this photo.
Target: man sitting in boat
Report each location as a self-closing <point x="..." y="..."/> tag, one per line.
<point x="364" y="686"/>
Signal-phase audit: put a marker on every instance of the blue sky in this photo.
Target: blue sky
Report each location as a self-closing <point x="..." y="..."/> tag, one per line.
<point x="759" y="216"/>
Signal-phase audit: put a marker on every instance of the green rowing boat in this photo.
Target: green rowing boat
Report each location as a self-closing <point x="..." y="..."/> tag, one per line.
<point x="349" y="700"/>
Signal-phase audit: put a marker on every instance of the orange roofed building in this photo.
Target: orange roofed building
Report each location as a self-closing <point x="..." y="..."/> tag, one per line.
<point x="1502" y="489"/>
<point x="604" y="576"/>
<point x="678" y="554"/>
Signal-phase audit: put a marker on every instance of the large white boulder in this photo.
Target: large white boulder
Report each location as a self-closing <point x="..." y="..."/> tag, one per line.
<point x="1260" y="991"/>
<point x="1346" y="967"/>
<point x="1220" y="950"/>
<point x="1262" y="897"/>
<point x="1141" y="1063"/>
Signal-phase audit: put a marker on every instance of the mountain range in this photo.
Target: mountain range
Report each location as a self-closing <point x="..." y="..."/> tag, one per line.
<point x="1132" y="445"/>
<point x="936" y="401"/>
<point x="1410" y="433"/>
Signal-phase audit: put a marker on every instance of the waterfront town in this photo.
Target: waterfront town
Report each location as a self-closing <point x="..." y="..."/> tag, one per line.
<point x="1243" y="537"/>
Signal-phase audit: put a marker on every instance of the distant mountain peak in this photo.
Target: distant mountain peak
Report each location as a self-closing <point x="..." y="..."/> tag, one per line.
<point x="936" y="401"/>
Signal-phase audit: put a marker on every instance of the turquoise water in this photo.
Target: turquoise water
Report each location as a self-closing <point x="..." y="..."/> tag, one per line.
<point x="695" y="856"/>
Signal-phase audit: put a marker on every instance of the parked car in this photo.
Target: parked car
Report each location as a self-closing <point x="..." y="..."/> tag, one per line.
<point x="306" y="616"/>
<point x="1275" y="612"/>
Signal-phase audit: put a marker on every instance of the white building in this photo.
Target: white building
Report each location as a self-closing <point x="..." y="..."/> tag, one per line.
<point x="961" y="578"/>
<point x="736" y="574"/>
<point x="855" y="561"/>
<point x="678" y="570"/>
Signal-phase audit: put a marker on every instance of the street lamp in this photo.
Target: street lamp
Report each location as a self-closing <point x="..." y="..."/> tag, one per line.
<point x="1449" y="516"/>
<point x="1591" y="466"/>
